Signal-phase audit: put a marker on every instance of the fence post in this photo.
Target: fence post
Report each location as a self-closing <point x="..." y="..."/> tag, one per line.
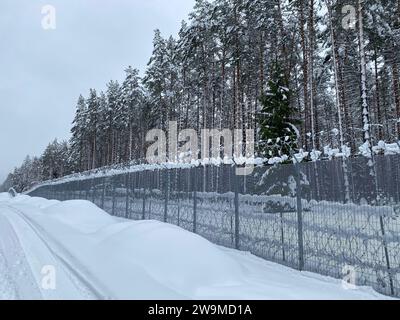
<point x="127" y="187"/>
<point x="152" y="184"/>
<point x="103" y="193"/>
<point x="87" y="191"/>
<point x="80" y="190"/>
<point x="194" y="187"/>
<point x="93" y="191"/>
<point x="144" y="195"/>
<point x="299" y="214"/>
<point x="387" y="257"/>
<point x="113" y="196"/>
<point x="236" y="180"/>
<point x="166" y="189"/>
<point x="71" y="192"/>
<point x="383" y="229"/>
<point x="178" y="175"/>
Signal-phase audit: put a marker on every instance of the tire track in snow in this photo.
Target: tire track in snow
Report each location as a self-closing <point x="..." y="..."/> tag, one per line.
<point x="8" y="291"/>
<point x="78" y="274"/>
<point x="17" y="280"/>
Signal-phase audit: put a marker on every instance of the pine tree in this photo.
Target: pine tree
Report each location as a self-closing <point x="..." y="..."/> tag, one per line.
<point x="93" y="128"/>
<point x="78" y="143"/>
<point x="155" y="81"/>
<point x="129" y="111"/>
<point x="103" y="130"/>
<point x="112" y="126"/>
<point x="55" y="160"/>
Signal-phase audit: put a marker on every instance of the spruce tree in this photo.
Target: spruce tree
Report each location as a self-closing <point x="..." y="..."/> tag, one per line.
<point x="277" y="126"/>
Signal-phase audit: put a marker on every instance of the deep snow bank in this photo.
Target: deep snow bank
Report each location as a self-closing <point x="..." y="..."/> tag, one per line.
<point x="153" y="260"/>
<point x="81" y="215"/>
<point x="4" y="196"/>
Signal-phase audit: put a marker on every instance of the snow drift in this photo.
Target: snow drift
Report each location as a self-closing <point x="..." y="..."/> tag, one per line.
<point x="121" y="259"/>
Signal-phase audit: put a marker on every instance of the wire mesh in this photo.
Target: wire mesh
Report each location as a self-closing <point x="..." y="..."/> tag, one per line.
<point x="343" y="213"/>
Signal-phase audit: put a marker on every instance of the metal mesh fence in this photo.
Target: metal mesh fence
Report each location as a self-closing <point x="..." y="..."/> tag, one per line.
<point x="328" y="217"/>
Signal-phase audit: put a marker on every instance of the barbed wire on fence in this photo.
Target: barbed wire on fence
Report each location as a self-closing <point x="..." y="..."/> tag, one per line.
<point x="296" y="214"/>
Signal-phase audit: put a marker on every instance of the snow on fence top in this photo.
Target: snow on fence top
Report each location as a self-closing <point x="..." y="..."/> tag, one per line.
<point x="137" y="166"/>
<point x="134" y="166"/>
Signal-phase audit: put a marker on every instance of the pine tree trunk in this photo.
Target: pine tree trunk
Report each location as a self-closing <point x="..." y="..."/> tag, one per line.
<point x="348" y="117"/>
<point x="311" y="34"/>
<point x="338" y="88"/>
<point x="378" y="99"/>
<point x="261" y="58"/>
<point x="282" y="39"/>
<point x="365" y="107"/>
<point x="94" y="153"/>
<point x="130" y="140"/>
<point x="396" y="92"/>
<point x="305" y="73"/>
<point x="364" y="96"/>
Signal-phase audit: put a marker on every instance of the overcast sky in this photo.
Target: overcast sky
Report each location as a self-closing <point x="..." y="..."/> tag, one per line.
<point x="42" y="72"/>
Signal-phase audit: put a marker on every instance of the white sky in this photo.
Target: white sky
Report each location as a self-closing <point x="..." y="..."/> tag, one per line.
<point x="42" y="72"/>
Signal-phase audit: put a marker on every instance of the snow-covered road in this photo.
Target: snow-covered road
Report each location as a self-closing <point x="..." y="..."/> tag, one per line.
<point x="87" y="254"/>
<point x="27" y="253"/>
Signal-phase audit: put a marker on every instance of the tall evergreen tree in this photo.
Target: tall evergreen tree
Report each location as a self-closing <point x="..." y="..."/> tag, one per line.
<point x="129" y="112"/>
<point x="93" y="118"/>
<point x="78" y="139"/>
<point x="278" y="131"/>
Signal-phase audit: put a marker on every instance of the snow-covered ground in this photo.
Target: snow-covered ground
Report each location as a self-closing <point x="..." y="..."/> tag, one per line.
<point x="87" y="254"/>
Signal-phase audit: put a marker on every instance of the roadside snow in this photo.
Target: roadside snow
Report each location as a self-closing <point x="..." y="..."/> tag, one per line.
<point x="97" y="256"/>
<point x="4" y="196"/>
